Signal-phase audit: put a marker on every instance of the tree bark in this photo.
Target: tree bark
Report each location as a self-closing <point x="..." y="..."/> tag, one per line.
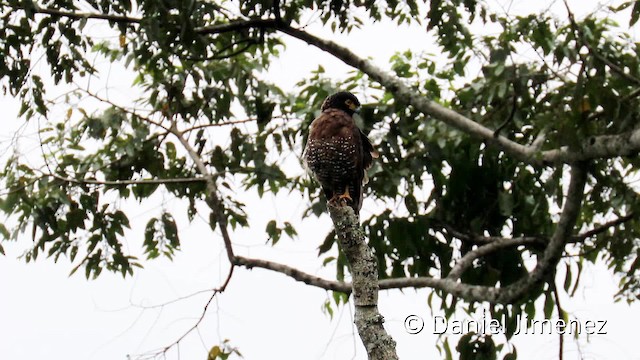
<point x="364" y="271"/>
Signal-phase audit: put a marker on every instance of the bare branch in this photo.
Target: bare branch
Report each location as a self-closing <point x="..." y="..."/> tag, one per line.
<point x="170" y="302"/>
<point x="194" y="327"/>
<point x="467" y="260"/>
<point x="602" y="228"/>
<point x="294" y="273"/>
<point x="228" y="123"/>
<point x="484" y="240"/>
<point x="537" y="143"/>
<point x="596" y="147"/>
<point x="332" y="285"/>
<point x="237" y="25"/>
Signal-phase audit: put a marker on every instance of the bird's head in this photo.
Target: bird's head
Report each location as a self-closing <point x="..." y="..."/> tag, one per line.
<point x="342" y="100"/>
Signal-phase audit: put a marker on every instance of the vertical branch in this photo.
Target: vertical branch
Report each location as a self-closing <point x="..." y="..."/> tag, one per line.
<point x="214" y="202"/>
<point x="364" y="270"/>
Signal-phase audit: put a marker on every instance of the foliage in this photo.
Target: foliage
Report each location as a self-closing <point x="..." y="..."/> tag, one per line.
<point x="202" y="72"/>
<point x="223" y="352"/>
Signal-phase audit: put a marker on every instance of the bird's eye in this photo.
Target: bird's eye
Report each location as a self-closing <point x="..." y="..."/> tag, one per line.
<point x="350" y="104"/>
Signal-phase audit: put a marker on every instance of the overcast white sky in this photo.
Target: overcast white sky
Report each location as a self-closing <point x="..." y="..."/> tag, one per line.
<point x="46" y="314"/>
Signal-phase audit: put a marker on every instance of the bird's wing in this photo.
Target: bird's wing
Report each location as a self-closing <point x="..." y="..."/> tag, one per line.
<point x="369" y="153"/>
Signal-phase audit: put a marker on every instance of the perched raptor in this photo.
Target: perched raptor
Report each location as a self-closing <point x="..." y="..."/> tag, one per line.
<point x="338" y="153"/>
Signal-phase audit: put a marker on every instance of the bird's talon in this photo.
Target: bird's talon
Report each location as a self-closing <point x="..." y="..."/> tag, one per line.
<point x="341" y="200"/>
<point x="345" y="200"/>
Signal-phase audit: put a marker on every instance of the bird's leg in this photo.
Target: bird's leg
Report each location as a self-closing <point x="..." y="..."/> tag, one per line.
<point x="346" y="195"/>
<point x="342" y="199"/>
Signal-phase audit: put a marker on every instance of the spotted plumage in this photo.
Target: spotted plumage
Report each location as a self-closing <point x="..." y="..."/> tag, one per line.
<point x="337" y="152"/>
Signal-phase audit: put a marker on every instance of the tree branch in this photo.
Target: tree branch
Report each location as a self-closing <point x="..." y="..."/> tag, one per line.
<point x="484" y="240"/>
<point x="530" y="240"/>
<point x="364" y="270"/>
<point x="294" y="273"/>
<point x="213" y="200"/>
<point x="615" y="68"/>
<point x="545" y="266"/>
<point x="126" y="182"/>
<point x="237" y="25"/>
<point x="602" y="228"/>
<point x="467" y="260"/>
<point x="596" y="147"/>
<point x="604" y="146"/>
<point x="352" y="242"/>
<point x="343" y="287"/>
<point x="80" y="15"/>
<point x="406" y="94"/>
<point x="553" y="252"/>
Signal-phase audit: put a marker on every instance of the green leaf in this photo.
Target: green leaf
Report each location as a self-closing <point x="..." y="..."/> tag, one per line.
<point x="214" y="353"/>
<point x="289" y="229"/>
<point x="567" y="278"/>
<point x="511" y="356"/>
<point x="327" y="260"/>
<point x="575" y="284"/>
<point x="635" y="13"/>
<point x="328" y="242"/>
<point x="549" y="305"/>
<point x="273" y="231"/>
<point x="4" y="232"/>
<point x="171" y="230"/>
<point x="411" y="203"/>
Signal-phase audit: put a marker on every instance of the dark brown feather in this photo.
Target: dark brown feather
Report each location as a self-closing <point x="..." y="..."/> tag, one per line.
<point x="338" y="154"/>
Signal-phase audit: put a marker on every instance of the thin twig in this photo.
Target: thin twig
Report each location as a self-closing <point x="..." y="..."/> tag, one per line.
<point x="124" y="109"/>
<point x="217" y="55"/>
<point x="561" y="316"/>
<point x="79" y="15"/>
<point x="170" y="302"/>
<point x="602" y="228"/>
<point x="126" y="182"/>
<point x="225" y="123"/>
<point x="195" y="326"/>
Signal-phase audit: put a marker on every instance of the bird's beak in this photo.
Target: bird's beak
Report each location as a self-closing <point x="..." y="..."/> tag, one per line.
<point x="356" y="109"/>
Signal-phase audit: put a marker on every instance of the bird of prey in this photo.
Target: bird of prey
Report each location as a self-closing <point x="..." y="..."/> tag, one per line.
<point x="337" y="152"/>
